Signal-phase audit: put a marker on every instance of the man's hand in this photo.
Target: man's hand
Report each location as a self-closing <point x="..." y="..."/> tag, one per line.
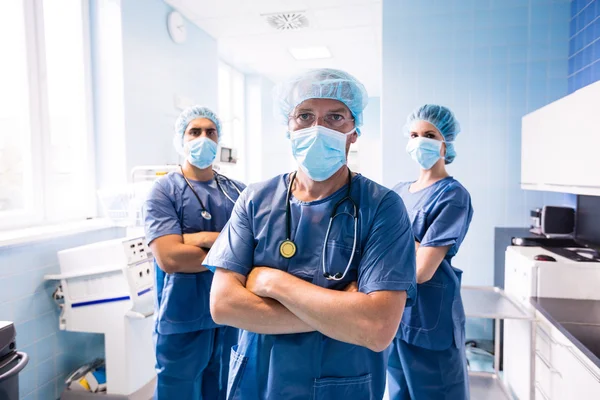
<point x="173" y="255"/>
<point x="203" y="240"/>
<point x="352" y="287"/>
<point x="189" y="239"/>
<point x="261" y="279"/>
<point x="231" y="303"/>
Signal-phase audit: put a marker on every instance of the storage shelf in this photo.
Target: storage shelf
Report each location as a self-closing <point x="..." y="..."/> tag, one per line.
<point x="487" y="387"/>
<point x="491" y="302"/>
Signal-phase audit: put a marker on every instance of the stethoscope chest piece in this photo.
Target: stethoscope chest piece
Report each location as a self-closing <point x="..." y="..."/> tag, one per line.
<point x="287" y="249"/>
<point x="204" y="213"/>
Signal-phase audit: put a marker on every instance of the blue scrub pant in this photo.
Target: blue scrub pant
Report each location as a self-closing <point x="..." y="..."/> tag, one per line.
<point x="194" y="365"/>
<point x="417" y="373"/>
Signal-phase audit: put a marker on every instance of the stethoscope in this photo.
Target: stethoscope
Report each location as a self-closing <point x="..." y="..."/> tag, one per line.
<point x="288" y="248"/>
<point x="205" y="214"/>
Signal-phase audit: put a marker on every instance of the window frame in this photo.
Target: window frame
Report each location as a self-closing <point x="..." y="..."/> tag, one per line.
<point x="37" y="180"/>
<point x="233" y="120"/>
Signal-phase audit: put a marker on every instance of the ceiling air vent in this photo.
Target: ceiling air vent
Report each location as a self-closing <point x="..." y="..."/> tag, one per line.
<point x="287" y="21"/>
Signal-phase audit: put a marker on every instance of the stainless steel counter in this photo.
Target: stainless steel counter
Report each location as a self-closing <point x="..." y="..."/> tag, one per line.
<point x="578" y="320"/>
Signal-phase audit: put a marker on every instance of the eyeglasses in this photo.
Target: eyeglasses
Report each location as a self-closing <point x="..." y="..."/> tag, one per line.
<point x="333" y="121"/>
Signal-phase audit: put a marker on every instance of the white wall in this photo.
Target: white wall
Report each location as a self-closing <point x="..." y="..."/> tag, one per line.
<point x="138" y="73"/>
<point x="267" y="148"/>
<point x="369" y="143"/>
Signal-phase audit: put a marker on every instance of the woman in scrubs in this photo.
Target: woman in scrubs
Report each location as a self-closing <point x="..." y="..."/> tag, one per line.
<point x="427" y="359"/>
<point x="184" y="213"/>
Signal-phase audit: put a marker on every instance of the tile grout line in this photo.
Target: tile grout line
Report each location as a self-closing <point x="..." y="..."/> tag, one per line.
<point x="588" y="45"/>
<point x="584" y="68"/>
<point x="585" y="27"/>
<point x="582" y="10"/>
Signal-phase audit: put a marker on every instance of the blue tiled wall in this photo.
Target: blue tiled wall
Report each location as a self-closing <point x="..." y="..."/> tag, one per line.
<point x="26" y="299"/>
<point x="584" y="44"/>
<point x="491" y="61"/>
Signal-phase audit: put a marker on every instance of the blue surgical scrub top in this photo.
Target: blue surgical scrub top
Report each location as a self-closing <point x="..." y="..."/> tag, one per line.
<point x="312" y="365"/>
<point x="440" y="215"/>
<point x="182" y="300"/>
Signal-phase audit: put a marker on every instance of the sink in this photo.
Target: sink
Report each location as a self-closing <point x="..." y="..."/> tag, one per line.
<point x="588" y="335"/>
<point x="570" y="311"/>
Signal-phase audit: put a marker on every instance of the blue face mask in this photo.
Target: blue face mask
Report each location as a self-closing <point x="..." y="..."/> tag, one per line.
<point x="319" y="151"/>
<point x="200" y="152"/>
<point x="425" y="151"/>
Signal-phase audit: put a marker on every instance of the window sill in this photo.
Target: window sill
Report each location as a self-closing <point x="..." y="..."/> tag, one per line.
<point x="15" y="237"/>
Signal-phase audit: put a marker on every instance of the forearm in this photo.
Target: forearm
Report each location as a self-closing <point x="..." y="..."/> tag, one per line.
<point x="203" y="240"/>
<point x="234" y="305"/>
<point x="351" y="317"/>
<point x="182" y="258"/>
<point x="428" y="261"/>
<point x="424" y="273"/>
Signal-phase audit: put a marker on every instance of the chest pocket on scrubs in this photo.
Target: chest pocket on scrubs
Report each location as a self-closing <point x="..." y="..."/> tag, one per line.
<point x="338" y="256"/>
<point x="185" y="302"/>
<point x="342" y="388"/>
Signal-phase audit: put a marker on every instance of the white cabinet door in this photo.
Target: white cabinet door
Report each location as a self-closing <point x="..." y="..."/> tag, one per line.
<point x="548" y="379"/>
<point x="538" y="147"/>
<point x="518" y="280"/>
<point x="560" y="143"/>
<point x="517" y="333"/>
<point x="580" y="379"/>
<point x="517" y="360"/>
<point x="532" y="145"/>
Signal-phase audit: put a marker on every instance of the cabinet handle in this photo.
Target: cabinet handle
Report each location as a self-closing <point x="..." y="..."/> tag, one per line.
<point x="539" y="388"/>
<point x="547" y="364"/>
<point x="546" y="334"/>
<point x="571" y="350"/>
<point x="583" y="363"/>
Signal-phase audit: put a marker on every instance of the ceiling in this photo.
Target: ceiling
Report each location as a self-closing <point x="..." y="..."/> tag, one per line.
<point x="351" y="29"/>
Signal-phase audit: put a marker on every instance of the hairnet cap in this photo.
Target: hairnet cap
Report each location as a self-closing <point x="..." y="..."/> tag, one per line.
<point x="188" y="115"/>
<point x="324" y="83"/>
<point x="443" y="119"/>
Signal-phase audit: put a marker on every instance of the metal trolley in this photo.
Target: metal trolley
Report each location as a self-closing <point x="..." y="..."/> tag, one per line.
<point x="493" y="303"/>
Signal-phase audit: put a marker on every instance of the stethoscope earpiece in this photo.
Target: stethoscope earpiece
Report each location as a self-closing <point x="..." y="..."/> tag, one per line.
<point x="337" y="277"/>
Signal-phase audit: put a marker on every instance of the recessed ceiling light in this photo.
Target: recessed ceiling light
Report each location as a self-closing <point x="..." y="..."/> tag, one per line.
<point x="310" y="53"/>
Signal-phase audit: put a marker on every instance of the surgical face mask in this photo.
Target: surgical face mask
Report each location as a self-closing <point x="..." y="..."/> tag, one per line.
<point x="425" y="151"/>
<point x="319" y="151"/>
<point x="200" y="152"/>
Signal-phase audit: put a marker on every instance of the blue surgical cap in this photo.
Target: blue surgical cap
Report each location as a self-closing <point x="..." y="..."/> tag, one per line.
<point x="187" y="116"/>
<point x="324" y="83"/>
<point x="443" y="119"/>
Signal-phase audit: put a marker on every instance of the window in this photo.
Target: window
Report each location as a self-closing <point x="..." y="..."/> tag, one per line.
<point x="353" y="157"/>
<point x="45" y="132"/>
<point x="231" y="112"/>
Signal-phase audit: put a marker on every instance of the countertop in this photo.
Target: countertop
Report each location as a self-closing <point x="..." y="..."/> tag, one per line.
<point x="578" y="320"/>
